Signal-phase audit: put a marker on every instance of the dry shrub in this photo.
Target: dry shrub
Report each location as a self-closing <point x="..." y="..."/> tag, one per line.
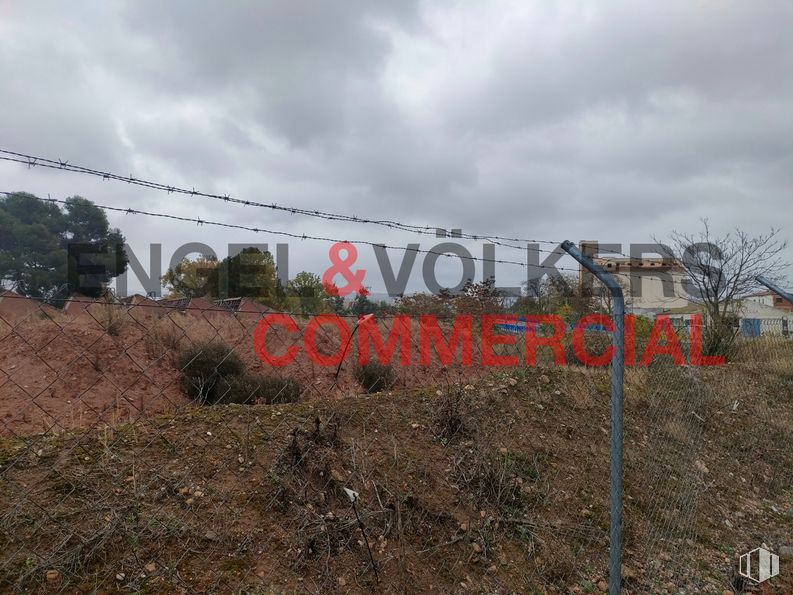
<point x="207" y="369"/>
<point x="213" y="374"/>
<point x="164" y="338"/>
<point x="452" y="417"/>
<point x="259" y="388"/>
<point x="307" y="482"/>
<point x="497" y="480"/>
<point x="375" y="377"/>
<point x="111" y="317"/>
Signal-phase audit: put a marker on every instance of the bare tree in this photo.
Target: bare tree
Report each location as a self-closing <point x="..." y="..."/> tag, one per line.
<point x="721" y="269"/>
<point x="552" y="293"/>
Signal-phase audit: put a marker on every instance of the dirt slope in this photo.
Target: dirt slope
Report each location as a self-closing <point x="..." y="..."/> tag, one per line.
<point x="499" y="486"/>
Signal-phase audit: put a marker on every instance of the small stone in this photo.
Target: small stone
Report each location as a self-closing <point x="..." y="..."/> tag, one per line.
<point x="211" y="535"/>
<point x="603" y="585"/>
<point x="544" y="379"/>
<point x="120" y="576"/>
<point x="184" y="491"/>
<point x="503" y="450"/>
<point x="512" y="382"/>
<point x="151" y="567"/>
<point x="189" y="501"/>
<point x="463" y="527"/>
<point x="53" y="576"/>
<point x="342" y="581"/>
<point x="493" y="568"/>
<point x="198" y="494"/>
<point x="477" y="548"/>
<point x="468" y="387"/>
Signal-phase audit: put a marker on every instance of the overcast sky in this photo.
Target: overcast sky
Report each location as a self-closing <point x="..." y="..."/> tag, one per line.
<point x="616" y="121"/>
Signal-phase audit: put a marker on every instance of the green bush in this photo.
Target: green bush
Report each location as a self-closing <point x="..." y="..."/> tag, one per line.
<point x="206" y="369"/>
<point x="375" y="377"/>
<point x="214" y="374"/>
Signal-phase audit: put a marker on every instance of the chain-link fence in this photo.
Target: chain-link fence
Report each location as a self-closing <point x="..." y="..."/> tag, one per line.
<point x="172" y="446"/>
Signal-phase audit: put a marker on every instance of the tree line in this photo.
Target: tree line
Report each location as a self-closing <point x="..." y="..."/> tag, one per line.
<point x="49" y="251"/>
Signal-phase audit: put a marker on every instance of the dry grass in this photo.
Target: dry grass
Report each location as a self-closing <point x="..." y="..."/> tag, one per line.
<point x="495" y="484"/>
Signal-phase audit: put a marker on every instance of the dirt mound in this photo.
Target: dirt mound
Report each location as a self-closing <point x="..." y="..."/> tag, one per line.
<point x="115" y="364"/>
<point x="498" y="486"/>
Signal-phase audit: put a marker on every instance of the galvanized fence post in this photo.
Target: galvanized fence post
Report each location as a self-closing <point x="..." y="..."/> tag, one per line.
<point x="617" y="375"/>
<point x="776" y="289"/>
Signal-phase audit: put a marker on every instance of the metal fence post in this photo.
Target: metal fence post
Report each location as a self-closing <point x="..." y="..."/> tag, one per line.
<point x="617" y="375"/>
<point x="776" y="289"/>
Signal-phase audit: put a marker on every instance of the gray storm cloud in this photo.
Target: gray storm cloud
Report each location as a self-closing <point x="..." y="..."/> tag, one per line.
<point x="618" y="121"/>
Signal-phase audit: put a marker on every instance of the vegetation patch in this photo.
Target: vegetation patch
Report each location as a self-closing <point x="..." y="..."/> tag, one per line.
<point x="375" y="377"/>
<point x="214" y="374"/>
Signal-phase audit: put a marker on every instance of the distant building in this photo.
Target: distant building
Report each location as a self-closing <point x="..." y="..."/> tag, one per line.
<point x="748" y="308"/>
<point x="650" y="285"/>
<point x="752" y="318"/>
<point x="771" y="299"/>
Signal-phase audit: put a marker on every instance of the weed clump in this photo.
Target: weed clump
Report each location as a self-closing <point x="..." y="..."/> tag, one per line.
<point x="452" y="417"/>
<point x="258" y="388"/>
<point x="500" y="480"/>
<point x="375" y="377"/>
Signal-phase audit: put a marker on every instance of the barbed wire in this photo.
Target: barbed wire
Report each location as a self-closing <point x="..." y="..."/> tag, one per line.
<point x="303" y="236"/>
<point x="199" y="221"/>
<point x="65" y="165"/>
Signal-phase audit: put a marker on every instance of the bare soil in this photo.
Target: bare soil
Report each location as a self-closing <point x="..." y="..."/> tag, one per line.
<point x="493" y="485"/>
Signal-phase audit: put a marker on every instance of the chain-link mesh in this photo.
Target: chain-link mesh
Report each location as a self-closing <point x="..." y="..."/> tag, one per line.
<point x="146" y="446"/>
